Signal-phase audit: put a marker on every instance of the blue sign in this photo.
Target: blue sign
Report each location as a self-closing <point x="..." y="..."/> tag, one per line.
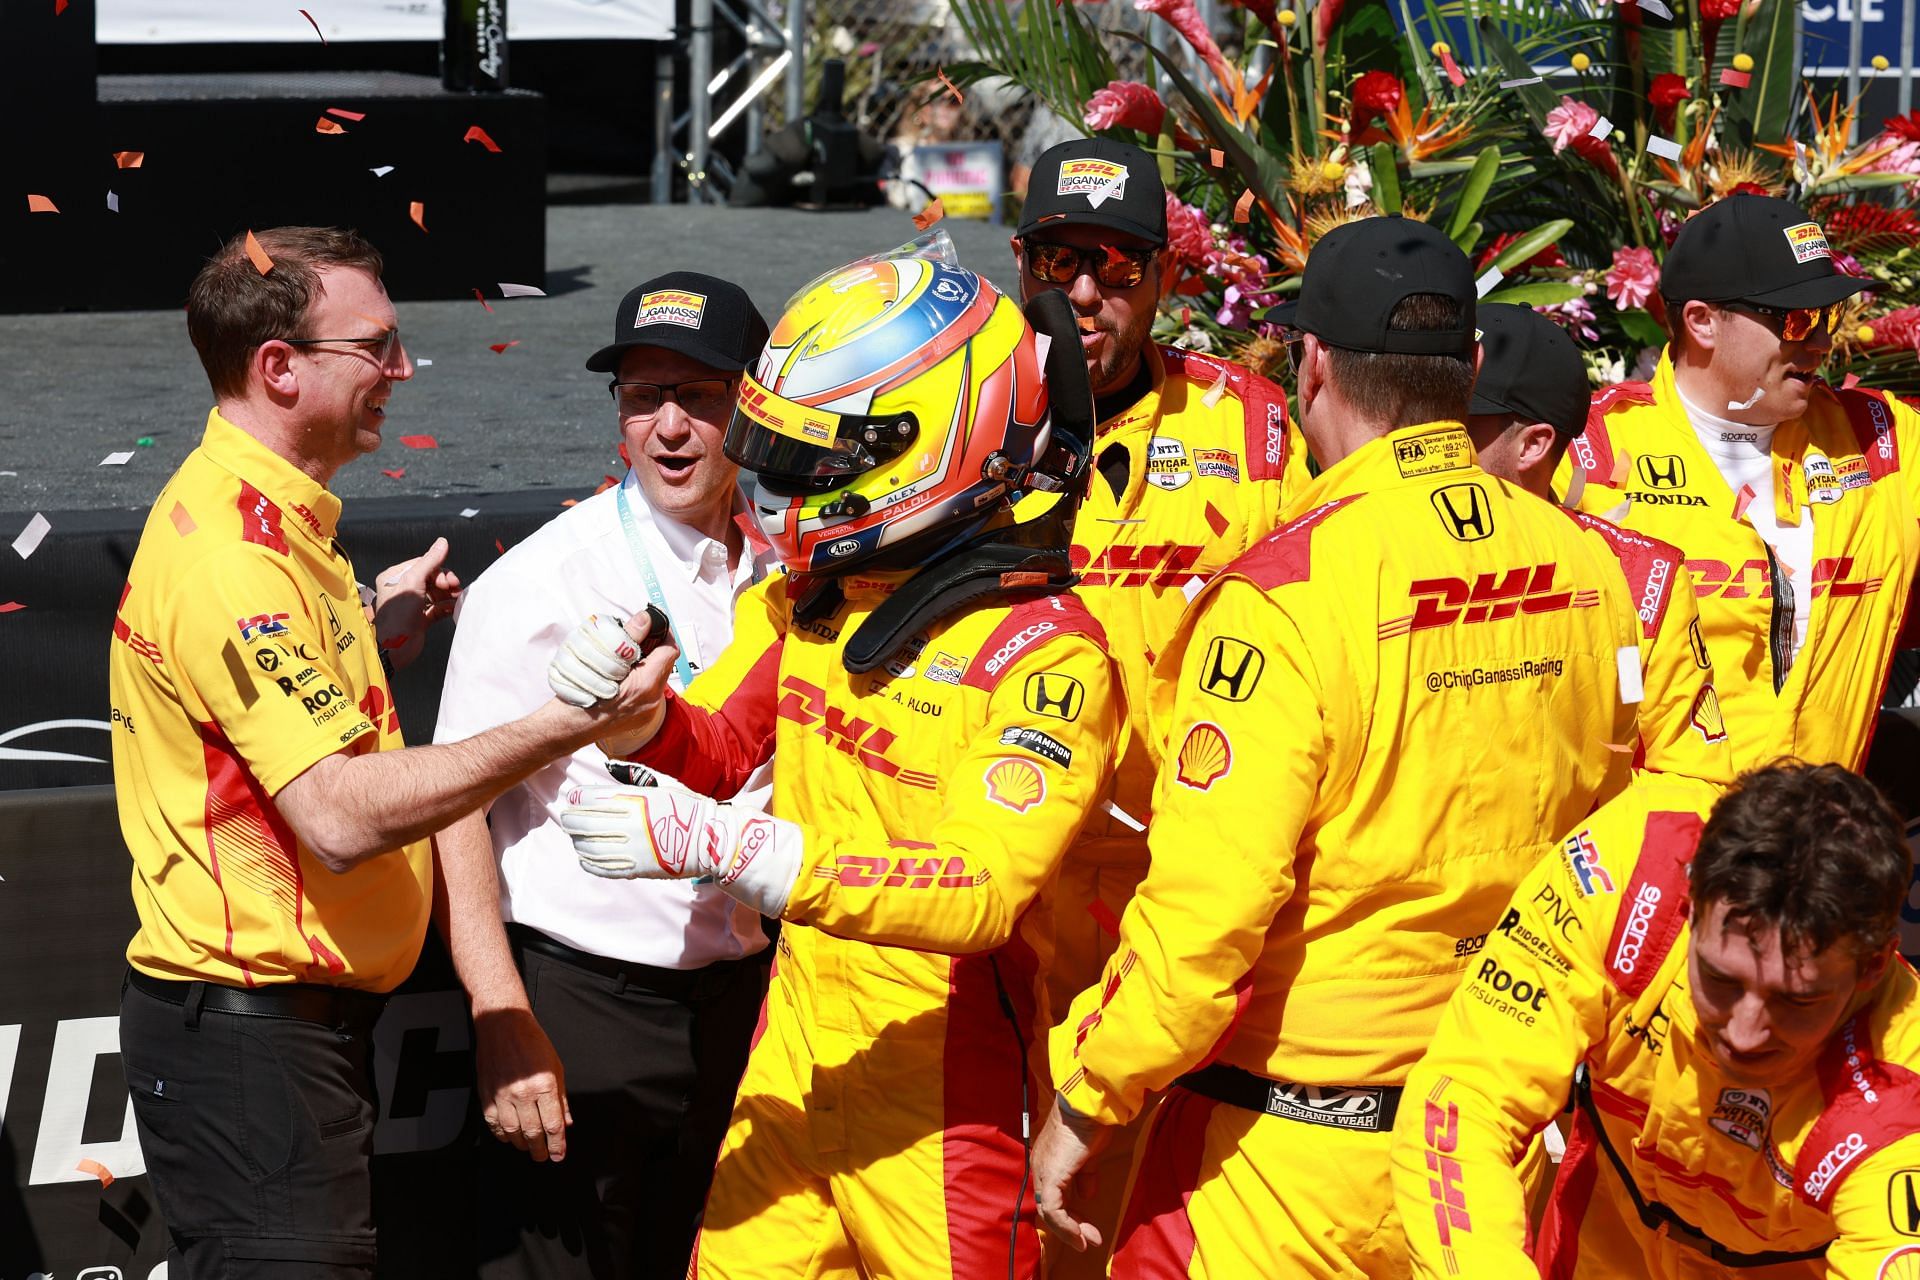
<point x="1828" y="28"/>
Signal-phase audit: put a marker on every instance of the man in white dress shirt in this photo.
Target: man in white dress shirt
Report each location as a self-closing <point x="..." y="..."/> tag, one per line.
<point x="623" y="1008"/>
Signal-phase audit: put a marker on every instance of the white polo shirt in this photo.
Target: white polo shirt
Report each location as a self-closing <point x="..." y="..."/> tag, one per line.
<point x="510" y="622"/>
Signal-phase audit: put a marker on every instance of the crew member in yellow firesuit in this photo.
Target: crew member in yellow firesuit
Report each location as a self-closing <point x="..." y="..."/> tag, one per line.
<point x="1740" y="1044"/>
<point x="1794" y="501"/>
<point x="942" y="717"/>
<point x="1194" y="461"/>
<point x="1380" y="716"/>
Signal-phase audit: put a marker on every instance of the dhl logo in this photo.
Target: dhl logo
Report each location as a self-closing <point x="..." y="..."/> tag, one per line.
<point x="1752" y="580"/>
<point x="857" y="871"/>
<point x="806" y="704"/>
<point x="1490" y="597"/>
<point x="1168" y="565"/>
<point x="758" y="403"/>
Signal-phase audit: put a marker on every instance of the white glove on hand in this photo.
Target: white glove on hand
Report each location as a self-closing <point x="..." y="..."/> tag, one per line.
<point x="664" y="833"/>
<point x="590" y="665"/>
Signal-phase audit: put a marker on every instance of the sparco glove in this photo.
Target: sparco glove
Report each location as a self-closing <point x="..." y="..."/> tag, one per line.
<point x="664" y="833"/>
<point x="589" y="666"/>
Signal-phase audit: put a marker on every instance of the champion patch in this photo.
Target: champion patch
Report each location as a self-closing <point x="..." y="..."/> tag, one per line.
<point x="677" y="306"/>
<point x="1807" y="241"/>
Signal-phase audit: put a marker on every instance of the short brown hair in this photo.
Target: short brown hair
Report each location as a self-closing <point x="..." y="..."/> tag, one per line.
<point x="1812" y="851"/>
<point x="232" y="308"/>
<point x="1404" y="389"/>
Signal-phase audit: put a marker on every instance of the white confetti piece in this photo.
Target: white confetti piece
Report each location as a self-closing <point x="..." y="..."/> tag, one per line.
<point x="1517" y="81"/>
<point x="468" y="513"/>
<point x="1627" y="658"/>
<point x="113" y="202"/>
<point x="1191" y="588"/>
<point x="1748" y="403"/>
<point x="29" y="540"/>
<point x="1218" y="389"/>
<point x="421" y="364"/>
<point x="521" y="291"/>
<point x="1125" y="817"/>
<point x="118" y="458"/>
<point x="382" y="171"/>
<point x="1602" y="128"/>
<point x="9" y="473"/>
<point x="1657" y="9"/>
<point x="1665" y="148"/>
<point x="1105" y="191"/>
<point x="1489" y="281"/>
<point x="1576" y="485"/>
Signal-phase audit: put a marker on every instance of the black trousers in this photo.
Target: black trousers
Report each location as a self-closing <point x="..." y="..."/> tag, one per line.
<point x="257" y="1134"/>
<point x="652" y="1060"/>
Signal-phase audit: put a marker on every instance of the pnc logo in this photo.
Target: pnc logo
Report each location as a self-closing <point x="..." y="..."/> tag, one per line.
<point x="1490" y="597"/>
<point x="1168" y="565"/>
<point x="806" y="704"/>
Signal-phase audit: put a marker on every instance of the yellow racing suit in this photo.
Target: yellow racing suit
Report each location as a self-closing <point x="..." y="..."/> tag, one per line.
<point x="1847" y="460"/>
<point x="879" y="1129"/>
<point x="1207" y="475"/>
<point x="1373" y="723"/>
<point x="1588" y="966"/>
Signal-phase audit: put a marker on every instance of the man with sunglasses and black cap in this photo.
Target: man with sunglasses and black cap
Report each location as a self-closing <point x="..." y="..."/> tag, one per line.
<point x="622" y="1008"/>
<point x="1529" y="403"/>
<point x="1196" y="461"/>
<point x="1793" y="500"/>
<point x="1372" y="724"/>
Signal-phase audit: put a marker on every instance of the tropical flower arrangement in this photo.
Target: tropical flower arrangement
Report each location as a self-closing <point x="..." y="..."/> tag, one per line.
<point x="1561" y="147"/>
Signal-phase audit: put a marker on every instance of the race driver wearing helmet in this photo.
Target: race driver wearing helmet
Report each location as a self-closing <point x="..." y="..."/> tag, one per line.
<point x="1193" y="461"/>
<point x="1739" y="1040"/>
<point x="942" y="717"/>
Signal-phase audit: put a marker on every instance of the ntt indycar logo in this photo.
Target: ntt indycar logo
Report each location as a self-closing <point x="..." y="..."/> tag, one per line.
<point x="1633" y="935"/>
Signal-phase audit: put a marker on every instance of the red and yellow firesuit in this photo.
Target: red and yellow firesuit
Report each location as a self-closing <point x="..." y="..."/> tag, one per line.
<point x="879" y="1127"/>
<point x="1845" y="460"/>
<point x="1377" y="713"/>
<point x="1589" y="966"/>
<point x="1207" y="476"/>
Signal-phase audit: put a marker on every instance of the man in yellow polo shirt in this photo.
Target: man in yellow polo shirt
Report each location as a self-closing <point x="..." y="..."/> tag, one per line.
<point x="280" y="835"/>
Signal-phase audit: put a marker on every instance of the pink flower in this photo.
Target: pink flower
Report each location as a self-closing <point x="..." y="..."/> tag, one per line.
<point x="1189" y="234"/>
<point x="1632" y="278"/>
<point x="1897" y="329"/>
<point x="1125" y="104"/>
<point x="1575" y="316"/>
<point x="1570" y="120"/>
<point x="1184" y="18"/>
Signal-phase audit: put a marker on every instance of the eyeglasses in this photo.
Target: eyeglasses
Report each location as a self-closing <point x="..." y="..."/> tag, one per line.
<point x="381" y="346"/>
<point x="1797" y="323"/>
<point x="1112" y="266"/>
<point x="701" y="398"/>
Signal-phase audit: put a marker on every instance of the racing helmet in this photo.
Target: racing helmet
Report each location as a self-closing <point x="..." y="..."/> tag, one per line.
<point x="898" y="405"/>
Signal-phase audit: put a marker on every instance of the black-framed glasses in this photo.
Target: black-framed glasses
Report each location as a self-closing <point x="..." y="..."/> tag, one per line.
<point x="700" y="398"/>
<point x="1796" y="323"/>
<point x="381" y="346"/>
<point x="1114" y="267"/>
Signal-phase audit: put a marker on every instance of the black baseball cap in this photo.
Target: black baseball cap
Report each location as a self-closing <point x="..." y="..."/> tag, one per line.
<point x="1531" y="368"/>
<point x="705" y="317"/>
<point x="1360" y="271"/>
<point x="1749" y="248"/>
<point x="1096" y="182"/>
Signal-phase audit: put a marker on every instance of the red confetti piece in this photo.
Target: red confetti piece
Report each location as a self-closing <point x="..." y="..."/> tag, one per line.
<point x="1243" y="206"/>
<point x="11" y="606"/>
<point x="261" y="262"/>
<point x="1849" y="382"/>
<point x="1215" y="521"/>
<point x="569" y="502"/>
<point x="396" y="474"/>
<point x="417" y="210"/>
<point x="40" y="204"/>
<point x="1452" y="68"/>
<point x="1622" y="747"/>
<point x="1103" y="916"/>
<point x="952" y="88"/>
<point x="498" y="547"/>
<point x="499" y="347"/>
<point x="481" y="298"/>
<point x="59" y="7"/>
<point x="756" y="536"/>
<point x="344" y="114"/>
<point x="934" y="211"/>
<point x="420" y="442"/>
<point x="1088" y="323"/>
<point x="1114" y="256"/>
<point x="90" y="1165"/>
<point x="476" y="134"/>
<point x="324" y="125"/>
<point x="182" y="521"/>
<point x="129" y="159"/>
<point x="394" y="642"/>
<point x="1215" y="159"/>
<point x="1619" y="471"/>
<point x="316" y="26"/>
<point x="1742" y="501"/>
<point x="1186" y="316"/>
<point x="1736" y="79"/>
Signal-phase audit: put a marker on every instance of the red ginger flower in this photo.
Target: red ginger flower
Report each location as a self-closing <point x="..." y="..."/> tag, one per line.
<point x="1376" y="93"/>
<point x="1897" y="329"/>
<point x="1667" y="92"/>
<point x="1125" y="104"/>
<point x="1906" y="126"/>
<point x="1184" y="18"/>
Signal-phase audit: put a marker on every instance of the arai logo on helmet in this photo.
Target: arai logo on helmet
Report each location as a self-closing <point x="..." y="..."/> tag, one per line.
<point x="844" y="547"/>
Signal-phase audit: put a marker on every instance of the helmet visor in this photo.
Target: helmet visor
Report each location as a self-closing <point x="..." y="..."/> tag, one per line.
<point x="786" y="441"/>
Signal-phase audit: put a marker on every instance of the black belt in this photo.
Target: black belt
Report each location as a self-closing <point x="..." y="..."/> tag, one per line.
<point x="294" y="1001"/>
<point x="675" y="984"/>
<point x="1358" y="1108"/>
<point x="1657" y="1217"/>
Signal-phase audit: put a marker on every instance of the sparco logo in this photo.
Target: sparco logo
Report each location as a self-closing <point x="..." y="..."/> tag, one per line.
<point x="1634" y="935"/>
<point x="1276" y="435"/>
<point x="1655" y="588"/>
<point x="1832" y="1165"/>
<point x="1012" y="648"/>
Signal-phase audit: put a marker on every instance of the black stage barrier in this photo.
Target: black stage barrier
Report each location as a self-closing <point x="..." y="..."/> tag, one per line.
<point x="54" y="715"/>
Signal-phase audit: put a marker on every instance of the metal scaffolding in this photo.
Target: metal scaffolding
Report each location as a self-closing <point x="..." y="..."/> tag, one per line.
<point x="775" y="47"/>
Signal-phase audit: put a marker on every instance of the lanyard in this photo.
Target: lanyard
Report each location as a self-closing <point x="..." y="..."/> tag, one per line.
<point x="681" y="667"/>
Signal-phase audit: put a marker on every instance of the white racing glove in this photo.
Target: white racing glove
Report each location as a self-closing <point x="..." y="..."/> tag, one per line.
<point x="589" y="666"/>
<point x="664" y="833"/>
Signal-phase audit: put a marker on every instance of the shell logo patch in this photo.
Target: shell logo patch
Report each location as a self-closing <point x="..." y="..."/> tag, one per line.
<point x="674" y="306"/>
<point x="1205" y="757"/>
<point x="1807" y="241"/>
<point x="1015" y="784"/>
<point x="1090" y="177"/>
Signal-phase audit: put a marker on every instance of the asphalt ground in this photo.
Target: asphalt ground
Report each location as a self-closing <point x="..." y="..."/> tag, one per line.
<point x="79" y="386"/>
